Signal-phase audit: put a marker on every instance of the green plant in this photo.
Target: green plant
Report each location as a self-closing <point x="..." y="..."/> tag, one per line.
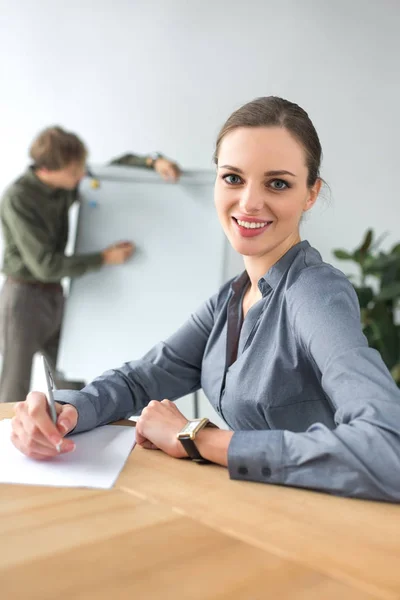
<point x="378" y="291"/>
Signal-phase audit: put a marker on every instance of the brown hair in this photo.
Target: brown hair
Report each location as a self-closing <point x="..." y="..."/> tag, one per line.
<point x="271" y="111"/>
<point x="54" y="149"/>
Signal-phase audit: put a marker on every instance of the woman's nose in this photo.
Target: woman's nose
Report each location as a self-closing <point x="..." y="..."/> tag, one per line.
<point x="251" y="200"/>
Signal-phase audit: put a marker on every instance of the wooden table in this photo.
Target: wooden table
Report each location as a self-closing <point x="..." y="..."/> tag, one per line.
<point x="171" y="528"/>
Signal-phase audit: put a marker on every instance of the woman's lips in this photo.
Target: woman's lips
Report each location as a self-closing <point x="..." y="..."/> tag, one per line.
<point x="251" y="227"/>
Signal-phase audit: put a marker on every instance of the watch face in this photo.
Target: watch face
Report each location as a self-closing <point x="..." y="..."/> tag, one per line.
<point x="190" y="427"/>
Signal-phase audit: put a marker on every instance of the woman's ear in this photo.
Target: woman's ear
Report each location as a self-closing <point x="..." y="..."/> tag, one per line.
<point x="313" y="195"/>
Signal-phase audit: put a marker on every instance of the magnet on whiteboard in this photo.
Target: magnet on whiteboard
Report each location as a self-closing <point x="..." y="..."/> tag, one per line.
<point x="92" y="203"/>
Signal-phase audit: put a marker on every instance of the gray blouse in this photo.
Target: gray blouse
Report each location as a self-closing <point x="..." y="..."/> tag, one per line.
<point x="310" y="403"/>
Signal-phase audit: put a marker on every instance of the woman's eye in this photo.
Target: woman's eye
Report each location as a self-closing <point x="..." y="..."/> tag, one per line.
<point x="232" y="179"/>
<point x="278" y="184"/>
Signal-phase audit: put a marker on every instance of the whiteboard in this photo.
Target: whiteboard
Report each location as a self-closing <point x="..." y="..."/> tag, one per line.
<point x="118" y="313"/>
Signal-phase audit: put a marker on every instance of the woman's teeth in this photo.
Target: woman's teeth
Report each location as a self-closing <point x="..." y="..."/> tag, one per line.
<point x="252" y="225"/>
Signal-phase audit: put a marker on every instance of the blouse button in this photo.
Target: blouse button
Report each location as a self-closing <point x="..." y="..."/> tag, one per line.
<point x="266" y="471"/>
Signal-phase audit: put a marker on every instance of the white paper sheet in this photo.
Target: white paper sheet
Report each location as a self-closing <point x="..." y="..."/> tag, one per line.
<point x="96" y="463"/>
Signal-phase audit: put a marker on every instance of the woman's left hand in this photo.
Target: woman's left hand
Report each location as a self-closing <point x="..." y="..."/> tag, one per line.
<point x="158" y="426"/>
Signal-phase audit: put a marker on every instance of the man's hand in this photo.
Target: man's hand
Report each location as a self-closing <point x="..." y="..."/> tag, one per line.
<point x="158" y="426"/>
<point x="118" y="253"/>
<point x="33" y="431"/>
<point x="167" y="169"/>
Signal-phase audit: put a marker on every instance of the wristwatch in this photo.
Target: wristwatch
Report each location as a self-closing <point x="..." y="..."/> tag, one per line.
<point x="187" y="436"/>
<point x="153" y="157"/>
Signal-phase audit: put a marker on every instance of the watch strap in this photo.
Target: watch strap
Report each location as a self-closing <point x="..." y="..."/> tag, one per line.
<point x="192" y="451"/>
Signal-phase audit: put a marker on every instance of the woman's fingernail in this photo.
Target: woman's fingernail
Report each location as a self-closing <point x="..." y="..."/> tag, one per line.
<point x="68" y="446"/>
<point x="63" y="426"/>
<point x="56" y="440"/>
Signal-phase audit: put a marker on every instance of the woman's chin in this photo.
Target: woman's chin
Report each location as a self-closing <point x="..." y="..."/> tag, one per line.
<point x="248" y="249"/>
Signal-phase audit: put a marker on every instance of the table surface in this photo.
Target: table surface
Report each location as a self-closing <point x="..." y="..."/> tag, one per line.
<point x="172" y="527"/>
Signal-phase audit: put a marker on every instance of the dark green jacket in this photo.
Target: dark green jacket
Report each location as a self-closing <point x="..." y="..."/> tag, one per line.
<point x="34" y="220"/>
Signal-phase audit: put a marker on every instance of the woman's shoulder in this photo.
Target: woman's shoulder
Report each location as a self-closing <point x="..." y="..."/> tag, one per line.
<point x="312" y="279"/>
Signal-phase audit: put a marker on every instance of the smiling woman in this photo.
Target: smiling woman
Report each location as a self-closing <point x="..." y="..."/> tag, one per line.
<point x="279" y="350"/>
<point x="268" y="159"/>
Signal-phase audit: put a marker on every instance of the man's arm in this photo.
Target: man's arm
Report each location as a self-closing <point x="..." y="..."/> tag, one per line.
<point x="167" y="169"/>
<point x="33" y="244"/>
<point x="133" y="160"/>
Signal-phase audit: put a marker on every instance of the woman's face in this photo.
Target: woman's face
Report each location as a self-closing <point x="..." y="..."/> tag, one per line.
<point x="261" y="189"/>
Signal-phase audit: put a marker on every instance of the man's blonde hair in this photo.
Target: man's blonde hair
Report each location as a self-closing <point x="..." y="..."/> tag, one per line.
<point x="54" y="149"/>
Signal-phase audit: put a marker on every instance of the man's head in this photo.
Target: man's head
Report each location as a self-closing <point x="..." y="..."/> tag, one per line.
<point x="59" y="158"/>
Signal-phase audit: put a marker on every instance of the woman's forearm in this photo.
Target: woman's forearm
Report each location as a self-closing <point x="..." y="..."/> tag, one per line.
<point x="213" y="445"/>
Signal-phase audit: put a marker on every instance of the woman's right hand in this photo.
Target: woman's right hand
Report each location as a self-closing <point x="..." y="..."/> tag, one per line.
<point x="118" y="253"/>
<point x="35" y="434"/>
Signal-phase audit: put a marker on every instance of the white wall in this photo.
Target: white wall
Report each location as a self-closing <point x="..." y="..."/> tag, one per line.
<point x="163" y="75"/>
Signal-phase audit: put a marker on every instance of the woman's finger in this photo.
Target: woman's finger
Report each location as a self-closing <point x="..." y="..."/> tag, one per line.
<point x="67" y="418"/>
<point x="27" y="430"/>
<point x="32" y="437"/>
<point x="149" y="445"/>
<point x="32" y="449"/>
<point x="35" y="407"/>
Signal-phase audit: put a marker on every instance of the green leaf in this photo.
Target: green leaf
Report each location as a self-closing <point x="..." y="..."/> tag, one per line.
<point x="365" y="295"/>
<point x="342" y="255"/>
<point x="366" y="243"/>
<point x="375" y="265"/>
<point x="389" y="292"/>
<point x="395" y="249"/>
<point x="390" y="275"/>
<point x="358" y="257"/>
<point x="383" y="333"/>
<point x="395" y="371"/>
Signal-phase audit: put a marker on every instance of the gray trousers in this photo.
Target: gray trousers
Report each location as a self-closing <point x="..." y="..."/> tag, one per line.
<point x="30" y="322"/>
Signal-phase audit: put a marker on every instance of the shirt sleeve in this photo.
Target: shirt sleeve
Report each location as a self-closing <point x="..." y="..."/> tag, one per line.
<point x="360" y="457"/>
<point x="170" y="370"/>
<point x="32" y="240"/>
<point x="131" y="160"/>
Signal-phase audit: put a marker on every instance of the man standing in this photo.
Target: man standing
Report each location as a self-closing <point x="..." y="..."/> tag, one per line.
<point x="34" y="218"/>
